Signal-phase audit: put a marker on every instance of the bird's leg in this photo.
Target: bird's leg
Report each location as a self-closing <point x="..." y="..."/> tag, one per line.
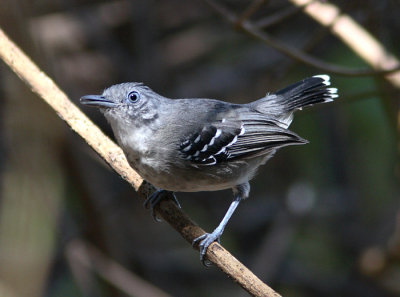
<point x="240" y="192"/>
<point x="208" y="238"/>
<point x="155" y="198"/>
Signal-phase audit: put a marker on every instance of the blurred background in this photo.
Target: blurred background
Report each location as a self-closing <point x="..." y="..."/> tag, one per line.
<point x="322" y="219"/>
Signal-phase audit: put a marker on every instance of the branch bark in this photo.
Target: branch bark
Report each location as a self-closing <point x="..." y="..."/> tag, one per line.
<point x="48" y="91"/>
<point x="252" y="30"/>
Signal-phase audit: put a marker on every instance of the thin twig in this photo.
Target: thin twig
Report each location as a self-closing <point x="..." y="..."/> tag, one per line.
<point x="252" y="30"/>
<point x="47" y="90"/>
<point x="355" y="36"/>
<point x="254" y="6"/>
<point x="277" y="17"/>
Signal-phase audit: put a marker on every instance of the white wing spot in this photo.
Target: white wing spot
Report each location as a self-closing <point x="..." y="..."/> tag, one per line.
<point x="222" y="150"/>
<point x="204" y="148"/>
<point x="242" y="130"/>
<point x="212" y="141"/>
<point x="217" y="134"/>
<point x="214" y="160"/>
<point x="187" y="148"/>
<point x="197" y="139"/>
<point x="233" y="141"/>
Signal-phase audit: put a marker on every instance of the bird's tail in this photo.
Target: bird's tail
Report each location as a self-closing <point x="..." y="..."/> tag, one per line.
<point x="307" y="92"/>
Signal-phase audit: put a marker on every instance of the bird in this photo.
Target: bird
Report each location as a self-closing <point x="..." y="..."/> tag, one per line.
<point x="201" y="144"/>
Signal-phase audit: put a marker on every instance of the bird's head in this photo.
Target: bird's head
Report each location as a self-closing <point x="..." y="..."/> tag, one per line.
<point x="127" y="102"/>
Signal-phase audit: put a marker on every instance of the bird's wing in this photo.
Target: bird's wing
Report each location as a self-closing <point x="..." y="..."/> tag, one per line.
<point x="226" y="139"/>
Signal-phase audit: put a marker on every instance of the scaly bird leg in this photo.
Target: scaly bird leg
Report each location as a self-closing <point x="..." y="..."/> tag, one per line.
<point x="240" y="192"/>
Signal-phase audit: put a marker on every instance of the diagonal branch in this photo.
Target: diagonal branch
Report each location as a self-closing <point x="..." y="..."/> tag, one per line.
<point x="355" y="36"/>
<point x="47" y="90"/>
<point x="84" y="254"/>
<point x="253" y="30"/>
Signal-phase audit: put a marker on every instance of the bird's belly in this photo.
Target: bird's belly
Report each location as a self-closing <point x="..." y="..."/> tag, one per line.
<point x="195" y="179"/>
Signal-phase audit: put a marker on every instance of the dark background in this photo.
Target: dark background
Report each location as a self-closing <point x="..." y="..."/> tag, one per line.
<point x="322" y="219"/>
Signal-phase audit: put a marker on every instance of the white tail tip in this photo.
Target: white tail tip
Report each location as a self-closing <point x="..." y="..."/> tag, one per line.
<point x="326" y="79"/>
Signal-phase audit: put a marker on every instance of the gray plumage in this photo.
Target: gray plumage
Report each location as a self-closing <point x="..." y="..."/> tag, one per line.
<point x="190" y="145"/>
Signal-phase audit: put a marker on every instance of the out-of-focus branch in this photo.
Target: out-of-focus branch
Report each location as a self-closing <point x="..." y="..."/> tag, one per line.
<point x="114" y="273"/>
<point x="376" y="261"/>
<point x="355" y="36"/>
<point x="252" y="30"/>
<point x="47" y="90"/>
<point x="277" y="17"/>
<point x="254" y="6"/>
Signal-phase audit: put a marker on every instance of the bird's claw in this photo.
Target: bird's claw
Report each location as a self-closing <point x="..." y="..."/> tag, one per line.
<point x="155" y="198"/>
<point x="204" y="242"/>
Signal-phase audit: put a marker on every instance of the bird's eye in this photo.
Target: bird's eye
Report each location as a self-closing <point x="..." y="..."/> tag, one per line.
<point x="133" y="97"/>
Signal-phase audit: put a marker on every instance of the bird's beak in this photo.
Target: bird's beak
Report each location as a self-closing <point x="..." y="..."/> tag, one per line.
<point x="97" y="101"/>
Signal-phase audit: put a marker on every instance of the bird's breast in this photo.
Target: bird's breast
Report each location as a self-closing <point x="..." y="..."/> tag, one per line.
<point x="143" y="152"/>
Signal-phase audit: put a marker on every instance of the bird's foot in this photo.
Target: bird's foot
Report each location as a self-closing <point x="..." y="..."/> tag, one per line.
<point x="204" y="242"/>
<point x="155" y="198"/>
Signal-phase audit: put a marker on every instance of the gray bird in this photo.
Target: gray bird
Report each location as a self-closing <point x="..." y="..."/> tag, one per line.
<point x="191" y="145"/>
